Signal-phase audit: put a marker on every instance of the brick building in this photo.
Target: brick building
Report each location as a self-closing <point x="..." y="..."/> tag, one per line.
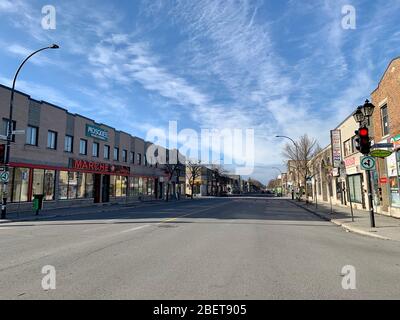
<point x="386" y="123"/>
<point x="74" y="161"/>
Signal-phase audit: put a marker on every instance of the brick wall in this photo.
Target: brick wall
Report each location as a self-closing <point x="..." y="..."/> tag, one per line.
<point x="387" y="93"/>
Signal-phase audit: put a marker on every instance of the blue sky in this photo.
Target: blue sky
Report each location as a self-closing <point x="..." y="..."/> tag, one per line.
<point x="279" y="67"/>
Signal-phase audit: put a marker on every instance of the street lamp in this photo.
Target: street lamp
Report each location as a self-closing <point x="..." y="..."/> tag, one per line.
<point x="363" y="113"/>
<point x="10" y="127"/>
<point x="297" y="159"/>
<point x="358" y="115"/>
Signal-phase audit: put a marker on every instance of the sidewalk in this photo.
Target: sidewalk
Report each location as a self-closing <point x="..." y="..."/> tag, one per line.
<point x="387" y="228"/>
<point x="65" y="212"/>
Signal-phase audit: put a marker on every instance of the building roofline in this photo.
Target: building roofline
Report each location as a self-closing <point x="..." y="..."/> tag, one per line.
<point x="76" y="114"/>
<point x="16" y="91"/>
<point x="386" y="70"/>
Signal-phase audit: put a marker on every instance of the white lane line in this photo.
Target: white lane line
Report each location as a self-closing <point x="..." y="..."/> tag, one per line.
<point x="136" y="228"/>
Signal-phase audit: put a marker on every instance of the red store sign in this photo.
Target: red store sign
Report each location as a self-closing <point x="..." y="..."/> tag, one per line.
<point x="350" y="162"/>
<point x="97" y="167"/>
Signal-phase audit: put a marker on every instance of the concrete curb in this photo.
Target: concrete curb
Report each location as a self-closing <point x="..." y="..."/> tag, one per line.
<point x="344" y="225"/>
<point x="101" y="210"/>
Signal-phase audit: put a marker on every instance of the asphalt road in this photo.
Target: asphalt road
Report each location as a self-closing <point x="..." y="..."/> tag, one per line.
<point x="243" y="248"/>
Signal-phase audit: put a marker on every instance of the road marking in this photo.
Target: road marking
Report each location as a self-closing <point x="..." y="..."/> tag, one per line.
<point x="136" y="228"/>
<point x="192" y="213"/>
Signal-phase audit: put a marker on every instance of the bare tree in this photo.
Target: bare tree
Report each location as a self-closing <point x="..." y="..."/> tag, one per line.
<point x="301" y="154"/>
<point x="193" y="171"/>
<point x="273" y="184"/>
<point x="170" y="169"/>
<point x="219" y="173"/>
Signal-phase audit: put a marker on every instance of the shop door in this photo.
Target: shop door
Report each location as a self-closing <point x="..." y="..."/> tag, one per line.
<point x="106" y="189"/>
<point x="156" y="188"/>
<point x="97" y="188"/>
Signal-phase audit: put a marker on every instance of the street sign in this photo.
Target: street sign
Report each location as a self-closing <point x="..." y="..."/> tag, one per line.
<point x="379" y="153"/>
<point x="18" y="132"/>
<point x="382" y="146"/>
<point x="367" y="163"/>
<point x="4" y="176"/>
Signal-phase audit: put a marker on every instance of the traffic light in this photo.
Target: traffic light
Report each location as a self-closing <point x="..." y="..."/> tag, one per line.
<point x="362" y="141"/>
<point x="2" y="153"/>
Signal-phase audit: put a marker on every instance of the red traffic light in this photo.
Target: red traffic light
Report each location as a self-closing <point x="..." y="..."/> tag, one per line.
<point x="363" y="132"/>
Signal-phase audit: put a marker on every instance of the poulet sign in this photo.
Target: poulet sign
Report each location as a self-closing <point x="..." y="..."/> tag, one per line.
<point x="96" y="133"/>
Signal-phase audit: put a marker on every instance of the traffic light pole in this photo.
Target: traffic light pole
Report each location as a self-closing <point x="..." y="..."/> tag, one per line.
<point x="371" y="202"/>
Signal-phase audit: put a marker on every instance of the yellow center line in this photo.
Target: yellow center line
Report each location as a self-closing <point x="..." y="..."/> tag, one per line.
<point x="194" y="212"/>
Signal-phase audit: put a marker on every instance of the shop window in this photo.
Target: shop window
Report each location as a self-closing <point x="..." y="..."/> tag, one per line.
<point x="136" y="186"/>
<point x="63" y="185"/>
<point x="89" y="185"/>
<point x="72" y="185"/>
<point x="394" y="176"/>
<point x="43" y="183"/>
<point x="118" y="186"/>
<point x="112" y="186"/>
<point x="81" y="184"/>
<point x="38" y="182"/>
<point x="141" y="186"/>
<point x="145" y="180"/>
<point x="124" y="186"/>
<point x="131" y="187"/>
<point x="20" y="185"/>
<point x="150" y="187"/>
<point x="49" y="184"/>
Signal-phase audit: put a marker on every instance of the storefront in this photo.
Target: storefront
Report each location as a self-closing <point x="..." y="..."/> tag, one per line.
<point x="393" y="173"/>
<point x="355" y="181"/>
<point x="95" y="182"/>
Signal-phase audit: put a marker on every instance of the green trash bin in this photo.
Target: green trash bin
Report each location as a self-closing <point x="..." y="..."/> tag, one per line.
<point x="38" y="203"/>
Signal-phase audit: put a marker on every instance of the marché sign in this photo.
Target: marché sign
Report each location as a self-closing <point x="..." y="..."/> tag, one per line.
<point x="96" y="132"/>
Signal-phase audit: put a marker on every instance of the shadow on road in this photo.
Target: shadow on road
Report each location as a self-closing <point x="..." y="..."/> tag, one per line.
<point x="247" y="208"/>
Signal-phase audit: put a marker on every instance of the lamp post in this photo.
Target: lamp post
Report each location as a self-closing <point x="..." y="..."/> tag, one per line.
<point x="10" y="128"/>
<point x="362" y="115"/>
<point x="297" y="159"/>
<point x="280" y="171"/>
